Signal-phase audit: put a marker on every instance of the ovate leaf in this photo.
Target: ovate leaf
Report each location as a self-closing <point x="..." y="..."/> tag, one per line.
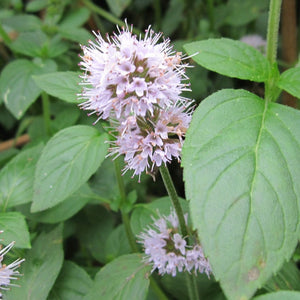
<point x="62" y="211"/>
<point x="42" y="266"/>
<point x="72" y="283"/>
<point x="126" y="277"/>
<point x="63" y="85"/>
<point x="68" y="160"/>
<point x="241" y="169"/>
<point x="17" y="88"/>
<point x="290" y="81"/>
<point x="15" y="229"/>
<point x="230" y="58"/>
<point x="16" y="178"/>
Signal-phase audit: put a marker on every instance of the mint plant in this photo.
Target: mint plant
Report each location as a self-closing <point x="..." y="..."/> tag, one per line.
<point x="90" y="187"/>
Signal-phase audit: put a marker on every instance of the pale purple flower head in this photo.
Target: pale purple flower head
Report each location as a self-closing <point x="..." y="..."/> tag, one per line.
<point x="8" y="272"/>
<point x="167" y="251"/>
<point x="125" y="74"/>
<point x="149" y="142"/>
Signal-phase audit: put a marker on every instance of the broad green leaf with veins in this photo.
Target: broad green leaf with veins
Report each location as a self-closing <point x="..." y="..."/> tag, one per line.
<point x="242" y="177"/>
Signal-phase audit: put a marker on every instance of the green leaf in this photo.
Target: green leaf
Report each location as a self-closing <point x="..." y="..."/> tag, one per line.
<point x="142" y="214"/>
<point x="241" y="169"/>
<point x="30" y="43"/>
<point x="23" y="23"/>
<point x="94" y="226"/>
<point x="14" y="229"/>
<point x="283" y="295"/>
<point x="72" y="283"/>
<point x="42" y="266"/>
<point x="79" y="35"/>
<point x="63" y="85"/>
<point x="36" y="5"/>
<point x="288" y="278"/>
<point x="75" y="18"/>
<point x="173" y="17"/>
<point x="118" y="6"/>
<point x="38" y="44"/>
<point x="68" y="160"/>
<point x="290" y="81"/>
<point x="117" y="243"/>
<point x="63" y="210"/>
<point x="230" y="58"/>
<point x="126" y="277"/>
<point x="16" y="178"/>
<point x="17" y="88"/>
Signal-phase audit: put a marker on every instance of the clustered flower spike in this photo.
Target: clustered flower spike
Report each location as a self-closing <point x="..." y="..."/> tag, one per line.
<point x="137" y="83"/>
<point x="8" y="272"/>
<point x="167" y="251"/>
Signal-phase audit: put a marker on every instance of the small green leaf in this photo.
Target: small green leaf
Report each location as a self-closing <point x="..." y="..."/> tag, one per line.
<point x="230" y="58"/>
<point x="75" y="18"/>
<point x="63" y="85"/>
<point x="94" y="226"/>
<point x="72" y="283"/>
<point x="79" y="35"/>
<point x="38" y="44"/>
<point x="17" y="88"/>
<point x="282" y="295"/>
<point x="117" y="243"/>
<point x="241" y="170"/>
<point x="63" y="210"/>
<point x="16" y="178"/>
<point x="290" y="81"/>
<point x="30" y="43"/>
<point x="68" y="160"/>
<point x="14" y="229"/>
<point x="42" y="266"/>
<point x="126" y="277"/>
<point x="22" y="23"/>
<point x="118" y="6"/>
<point x="36" y="5"/>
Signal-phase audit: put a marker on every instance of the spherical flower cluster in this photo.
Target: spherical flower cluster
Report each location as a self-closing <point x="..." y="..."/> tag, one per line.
<point x="8" y="272"/>
<point x="168" y="251"/>
<point x="137" y="83"/>
<point x="126" y="74"/>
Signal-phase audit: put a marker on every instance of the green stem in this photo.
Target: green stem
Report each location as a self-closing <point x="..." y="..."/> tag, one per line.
<point x="125" y="217"/>
<point x="273" y="26"/>
<point x="46" y="112"/>
<point x="191" y="283"/>
<point x="103" y="13"/>
<point x="272" y="44"/>
<point x="174" y="198"/>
